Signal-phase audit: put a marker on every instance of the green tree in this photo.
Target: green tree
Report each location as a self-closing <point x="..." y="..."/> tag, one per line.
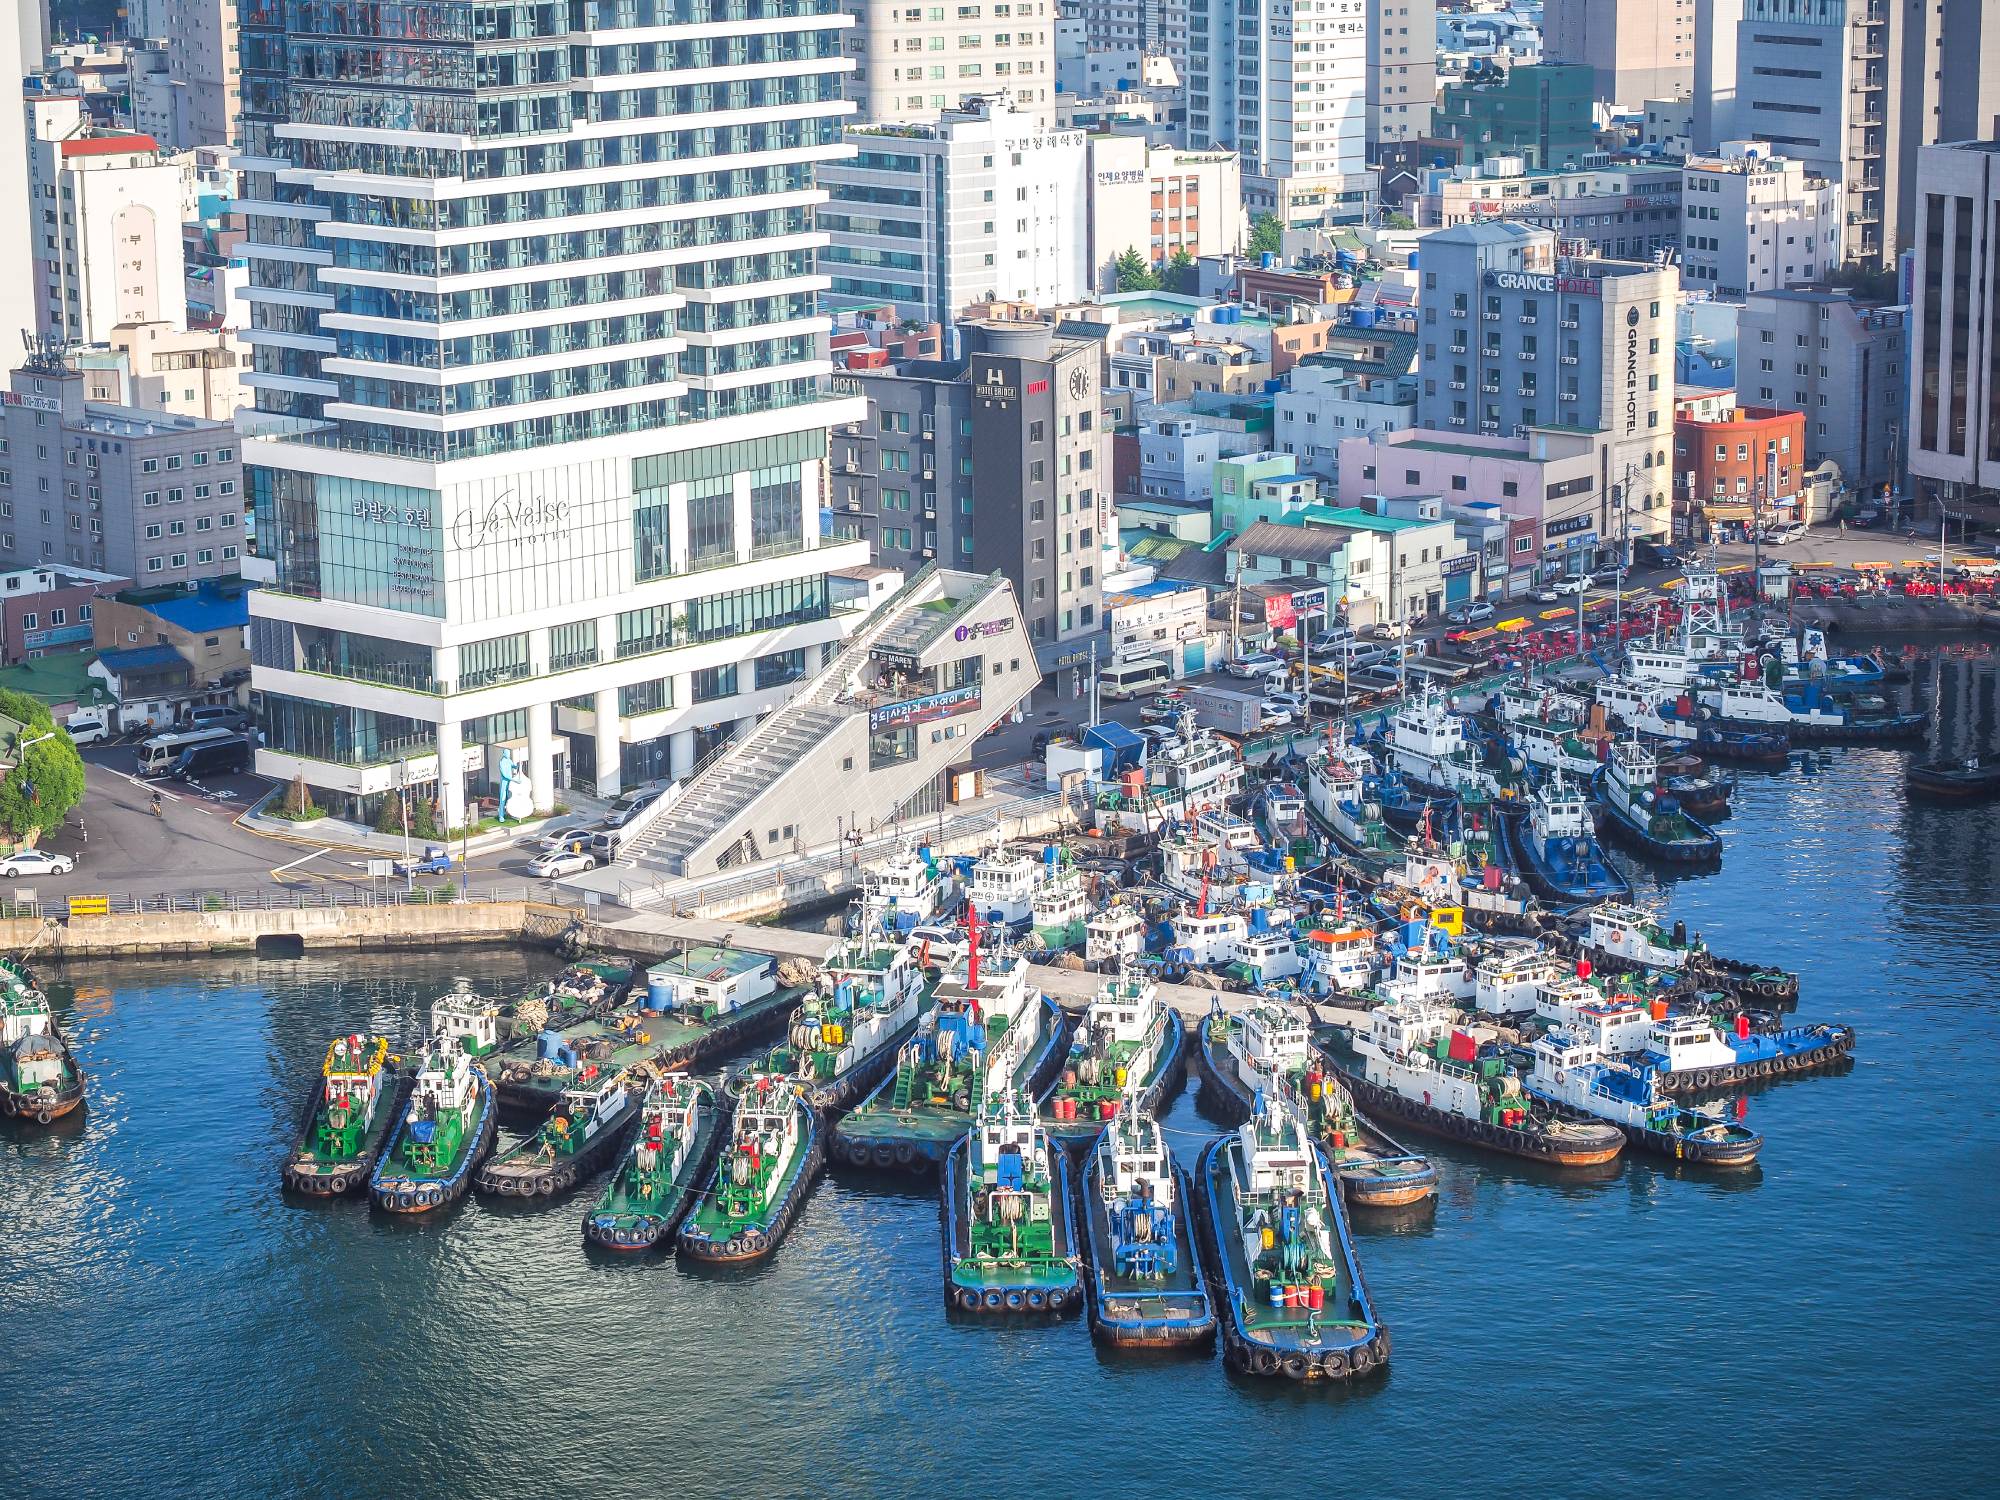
<point x="46" y="779"/>
<point x="1398" y="221"/>
<point x="390" y="818"/>
<point x="1133" y="274"/>
<point x="1267" y="237"/>
<point x="423" y="818"/>
<point x="1181" y="274"/>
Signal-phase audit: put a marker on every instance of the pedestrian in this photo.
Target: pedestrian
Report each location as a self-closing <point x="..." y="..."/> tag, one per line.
<point x="1843" y="526"/>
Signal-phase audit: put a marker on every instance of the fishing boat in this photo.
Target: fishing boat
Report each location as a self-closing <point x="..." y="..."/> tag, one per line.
<point x="1620" y="937"/>
<point x="543" y="1036"/>
<point x="1507" y="977"/>
<point x="348" y="1118"/>
<point x="1339" y="958"/>
<point x="1341" y="795"/>
<point x="681" y="1122"/>
<point x="1692" y="1057"/>
<point x="1574" y="1078"/>
<point x="909" y="890"/>
<point x="1267" y="1047"/>
<point x="1425" y="743"/>
<point x="39" y="1077"/>
<point x="1234" y="841"/>
<point x="1193" y="772"/>
<point x="1059" y="907"/>
<point x="447" y="1127"/>
<point x="988" y="1033"/>
<point x="1292" y="1299"/>
<point x="705" y="1004"/>
<point x="1001" y="886"/>
<point x="1280" y="816"/>
<point x="760" y="1178"/>
<point x="1204" y="939"/>
<point x="1413" y="1065"/>
<point x="1143" y="1282"/>
<point x="1009" y="1244"/>
<point x="1127" y="1049"/>
<point x="1702" y="790"/>
<point x="1114" y="936"/>
<point x="1809" y="715"/>
<point x="1964" y="779"/>
<point x="1554" y="846"/>
<point x="1639" y="815"/>
<point x="843" y="1038"/>
<point x="1670" y="714"/>
<point x="586" y="1129"/>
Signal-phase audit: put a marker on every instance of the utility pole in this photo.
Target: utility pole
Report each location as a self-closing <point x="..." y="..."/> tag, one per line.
<point x="1236" y="609"/>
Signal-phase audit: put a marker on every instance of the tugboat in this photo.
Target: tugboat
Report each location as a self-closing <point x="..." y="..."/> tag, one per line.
<point x="1143" y="1281"/>
<point x="761" y="1178"/>
<point x="909" y="890"/>
<point x="1692" y="1057"/>
<point x="1414" y="1067"/>
<point x="446" y="1130"/>
<point x="583" y="1133"/>
<point x="1279" y="1254"/>
<point x="1114" y="936"/>
<point x="1126" y="1052"/>
<point x="1575" y="1079"/>
<point x="349" y="1116"/>
<point x="1340" y="958"/>
<point x="1267" y="1048"/>
<point x="1426" y="745"/>
<point x="1703" y="790"/>
<point x="39" y="1078"/>
<point x="844" y="1036"/>
<point x="1281" y="821"/>
<point x="1002" y="886"/>
<point x="1809" y="716"/>
<point x="1060" y="905"/>
<point x="1622" y="938"/>
<point x="680" y="1124"/>
<point x="1647" y="820"/>
<point x="1670" y="714"/>
<point x="1555" y="847"/>
<point x="1342" y="795"/>
<point x="1009" y="1245"/>
<point x="987" y="1034"/>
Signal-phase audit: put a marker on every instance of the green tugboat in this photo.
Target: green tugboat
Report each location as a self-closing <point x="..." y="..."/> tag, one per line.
<point x="350" y="1115"/>
<point x="1279" y="1254"/>
<point x="988" y="1034"/>
<point x="1128" y="1049"/>
<point x="1009" y="1243"/>
<point x="706" y="1002"/>
<point x="680" y="1125"/>
<point x="583" y="1133"/>
<point x="760" y="1180"/>
<point x="844" y="1036"/>
<point x="39" y="1078"/>
<point x="450" y="1121"/>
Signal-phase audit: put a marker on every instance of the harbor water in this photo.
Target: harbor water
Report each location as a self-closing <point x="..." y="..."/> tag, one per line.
<point x="1822" y="1325"/>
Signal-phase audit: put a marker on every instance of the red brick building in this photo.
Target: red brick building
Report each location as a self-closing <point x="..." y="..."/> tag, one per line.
<point x="1739" y="466"/>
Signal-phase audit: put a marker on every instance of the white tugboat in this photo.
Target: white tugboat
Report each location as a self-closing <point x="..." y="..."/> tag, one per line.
<point x="580" y="1135"/>
<point x="1234" y="840"/>
<point x="1555" y="846"/>
<point x="1143" y="1280"/>
<point x="1691" y="1057"/>
<point x="1114" y="935"/>
<point x="1191" y="774"/>
<point x="1003" y="884"/>
<point x="1573" y="1076"/>
<point x="1127" y="1048"/>
<point x="1546" y="727"/>
<point x="1340" y="787"/>
<point x="1204" y="939"/>
<point x="1413" y="1065"/>
<point x="1060" y="906"/>
<point x="911" y="889"/>
<point x="1617" y="1023"/>
<point x="1426" y="745"/>
<point x="1506" y="981"/>
<point x="1339" y="959"/>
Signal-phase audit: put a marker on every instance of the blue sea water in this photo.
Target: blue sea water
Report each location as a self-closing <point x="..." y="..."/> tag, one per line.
<point x="1824" y="1326"/>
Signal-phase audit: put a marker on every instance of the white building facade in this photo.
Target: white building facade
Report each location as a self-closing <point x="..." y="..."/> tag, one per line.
<point x="915" y="62"/>
<point x="1159" y="200"/>
<point x="1752" y="222"/>
<point x="540" y="376"/>
<point x="1324" y="405"/>
<point x="107" y="236"/>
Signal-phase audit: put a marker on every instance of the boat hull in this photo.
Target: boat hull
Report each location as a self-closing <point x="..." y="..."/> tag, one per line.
<point x="511" y="1176"/>
<point x="1184" y="1318"/>
<point x="1535" y="869"/>
<point x="1954" y="783"/>
<point x="1054" y="1294"/>
<point x="1169" y="1073"/>
<point x="1831" y="1050"/>
<point x="757" y="1242"/>
<point x="42" y="1109"/>
<point x="838" y="1095"/>
<point x="1616" y="822"/>
<point x="1891" y="730"/>
<point x="399" y="1194"/>
<point x="1526" y="1144"/>
<point x="311" y="1179"/>
<point x="1271" y="1358"/>
<point x="628" y="1233"/>
<point x="1740" y="1152"/>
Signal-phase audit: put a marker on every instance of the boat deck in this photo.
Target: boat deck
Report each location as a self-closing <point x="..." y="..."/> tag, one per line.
<point x="1258" y="1320"/>
<point x="1170" y="1297"/>
<point x="624" y="1198"/>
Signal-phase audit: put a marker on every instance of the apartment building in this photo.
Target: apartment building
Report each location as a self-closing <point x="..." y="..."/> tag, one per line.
<point x="912" y="63"/>
<point x="1753" y="222"/>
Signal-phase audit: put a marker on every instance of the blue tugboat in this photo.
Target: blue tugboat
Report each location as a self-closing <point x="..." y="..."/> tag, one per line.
<point x="1691" y="1057"/>
<point x="1293" y="1303"/>
<point x="1009" y="1244"/>
<point x="1143" y="1282"/>
<point x="1574" y="1078"/>
<point x="1638" y="815"/>
<point x="1555" y="847"/>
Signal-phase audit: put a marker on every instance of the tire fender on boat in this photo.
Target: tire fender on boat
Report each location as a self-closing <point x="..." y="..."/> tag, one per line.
<point x="42" y="1117"/>
<point x="1263" y="1361"/>
<point x="1334" y="1363"/>
<point x="993" y="1300"/>
<point x="545" y="1184"/>
<point x="1298" y="1367"/>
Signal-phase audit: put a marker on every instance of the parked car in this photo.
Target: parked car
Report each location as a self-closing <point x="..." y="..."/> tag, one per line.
<point x="1653" y="555"/>
<point x="633" y="803"/>
<point x="1391" y="630"/>
<point x="1546" y="594"/>
<point x="1257" y="664"/>
<point x="1160" y="710"/>
<point x="87" y="726"/>
<point x="1287" y="699"/>
<point x="1158" y="736"/>
<point x="560" y="862"/>
<point x="1474" y="613"/>
<point x="553" y="840"/>
<point x="1578" y="584"/>
<point x="1781" y="536"/>
<point x="435" y="860"/>
<point x="1332" y="639"/>
<point x="944" y="946"/>
<point x="1276" y="716"/>
<point x="36" y="862"/>
<point x="218" y="716"/>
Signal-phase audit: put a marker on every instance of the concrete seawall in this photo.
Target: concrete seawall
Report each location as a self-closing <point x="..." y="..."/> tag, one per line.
<point x="157" y="934"/>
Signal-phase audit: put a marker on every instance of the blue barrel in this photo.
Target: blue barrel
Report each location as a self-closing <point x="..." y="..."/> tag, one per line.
<point x="659" y="992"/>
<point x="547" y="1045"/>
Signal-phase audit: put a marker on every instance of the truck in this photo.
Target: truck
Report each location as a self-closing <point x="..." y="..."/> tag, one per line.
<point x="435" y="860"/>
<point x="1229" y="710"/>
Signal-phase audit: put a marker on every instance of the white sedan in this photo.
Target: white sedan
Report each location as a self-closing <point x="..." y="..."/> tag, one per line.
<point x="36" y="862"/>
<point x="1580" y="584"/>
<point x="561" y="862"/>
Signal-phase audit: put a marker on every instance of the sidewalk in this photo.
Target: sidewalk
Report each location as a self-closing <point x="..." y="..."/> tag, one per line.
<point x="338" y="833"/>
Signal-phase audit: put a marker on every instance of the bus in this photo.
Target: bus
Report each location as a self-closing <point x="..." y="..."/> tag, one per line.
<point x="1133" y="679"/>
<point x="158" y="755"/>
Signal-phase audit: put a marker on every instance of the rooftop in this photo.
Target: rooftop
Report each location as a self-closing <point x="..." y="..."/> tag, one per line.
<point x="1359" y="520"/>
<point x="109" y="145"/>
<point x="141" y="658"/>
<point x="1296" y="543"/>
<point x="219" y="604"/>
<point x="60" y="678"/>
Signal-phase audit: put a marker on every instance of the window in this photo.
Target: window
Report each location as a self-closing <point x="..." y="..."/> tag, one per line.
<point x="204" y="556"/>
<point x="154" y="564"/>
<point x="712" y="683"/>
<point x="180" y="559"/>
<point x="173" y="460"/>
<point x="30" y="621"/>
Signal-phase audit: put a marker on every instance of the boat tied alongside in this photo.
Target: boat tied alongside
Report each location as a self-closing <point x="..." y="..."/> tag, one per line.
<point x="1009" y="1239"/>
<point x="761" y="1176"/>
<point x="1144" y="1285"/>
<point x="1127" y="1051"/>
<point x="348" y="1118"/>
<point x="40" y="1080"/>
<point x="448" y="1126"/>
<point x="681" y="1123"/>
<point x="586" y="1128"/>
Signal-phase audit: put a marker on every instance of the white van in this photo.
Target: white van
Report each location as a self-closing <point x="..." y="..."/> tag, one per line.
<point x="158" y="755"/>
<point x="1132" y="679"/>
<point x="87" y="726"/>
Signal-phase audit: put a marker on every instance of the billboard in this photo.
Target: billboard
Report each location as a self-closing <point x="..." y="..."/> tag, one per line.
<point x="944" y="705"/>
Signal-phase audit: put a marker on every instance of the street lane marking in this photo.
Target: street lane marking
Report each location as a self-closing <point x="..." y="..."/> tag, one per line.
<point x="147" y="786"/>
<point x="301" y="860"/>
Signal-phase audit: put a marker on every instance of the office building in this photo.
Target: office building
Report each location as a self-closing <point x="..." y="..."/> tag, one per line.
<point x="107" y="227"/>
<point x="155" y="498"/>
<point x="1402" y="70"/>
<point x="1954" y="431"/>
<point x="1159" y="200"/>
<point x="982" y="205"/>
<point x="996" y="461"/>
<point x="1516" y="337"/>
<point x="20" y="307"/>
<point x="1636" y="49"/>
<point x="1844" y="364"/>
<point x="1625" y="212"/>
<point x="1541" y="114"/>
<point x="1741" y="468"/>
<point x="912" y="63"/>
<point x="1714" y="99"/>
<point x="1752" y="222"/>
<point x="539" y="368"/>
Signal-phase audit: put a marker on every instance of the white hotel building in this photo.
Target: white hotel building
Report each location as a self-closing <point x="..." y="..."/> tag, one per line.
<point x="539" y="371"/>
